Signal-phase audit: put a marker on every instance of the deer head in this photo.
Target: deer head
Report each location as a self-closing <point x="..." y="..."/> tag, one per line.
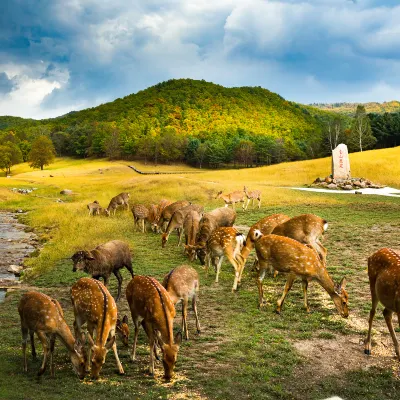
<point x="122" y="329"/>
<point x="78" y="359"/>
<point x="164" y="239"/>
<point x="341" y="298"/>
<point x="99" y="355"/>
<point x="190" y="251"/>
<point x="79" y="260"/>
<point x="169" y="356"/>
<point x="218" y="194"/>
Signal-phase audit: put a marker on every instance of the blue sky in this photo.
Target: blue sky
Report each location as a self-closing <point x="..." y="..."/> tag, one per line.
<point x="63" y="55"/>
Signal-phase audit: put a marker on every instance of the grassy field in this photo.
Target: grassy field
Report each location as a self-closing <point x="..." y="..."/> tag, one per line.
<point x="242" y="352"/>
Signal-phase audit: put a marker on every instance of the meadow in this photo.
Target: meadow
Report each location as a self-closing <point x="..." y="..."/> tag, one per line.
<point x="242" y="352"/>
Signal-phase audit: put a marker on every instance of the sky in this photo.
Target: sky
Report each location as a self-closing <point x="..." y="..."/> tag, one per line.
<point x="62" y="55"/>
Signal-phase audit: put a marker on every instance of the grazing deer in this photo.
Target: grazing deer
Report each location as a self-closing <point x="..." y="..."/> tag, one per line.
<point x="95" y="209"/>
<point x="93" y="305"/>
<point x="306" y="229"/>
<point x="120" y="200"/>
<point x="167" y="212"/>
<point x="210" y="221"/>
<point x="44" y="316"/>
<point x="225" y="241"/>
<point x="265" y="225"/>
<point x="182" y="284"/>
<point x="152" y="217"/>
<point x="160" y="208"/>
<point x="253" y="195"/>
<point x="176" y="222"/>
<point x="288" y="255"/>
<point x="140" y="213"/>
<point x="191" y="228"/>
<point x="384" y="281"/>
<point x="232" y="198"/>
<point x="149" y="301"/>
<point x="122" y="329"/>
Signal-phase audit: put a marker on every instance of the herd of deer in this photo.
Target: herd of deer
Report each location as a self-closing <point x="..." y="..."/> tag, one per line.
<point x="282" y="244"/>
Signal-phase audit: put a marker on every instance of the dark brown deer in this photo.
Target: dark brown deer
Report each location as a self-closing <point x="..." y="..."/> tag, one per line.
<point x="384" y="281"/>
<point x="94" y="306"/>
<point x="167" y="213"/>
<point x="150" y="302"/>
<point x="297" y="260"/>
<point x="191" y="227"/>
<point x="182" y="284"/>
<point x="252" y="195"/>
<point x="44" y="316"/>
<point x="120" y="200"/>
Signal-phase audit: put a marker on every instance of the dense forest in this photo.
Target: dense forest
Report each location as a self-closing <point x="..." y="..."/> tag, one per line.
<point x="350" y="108"/>
<point x="200" y="123"/>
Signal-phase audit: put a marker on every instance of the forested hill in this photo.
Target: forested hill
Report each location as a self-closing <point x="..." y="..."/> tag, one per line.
<point x="350" y="108"/>
<point x="185" y="120"/>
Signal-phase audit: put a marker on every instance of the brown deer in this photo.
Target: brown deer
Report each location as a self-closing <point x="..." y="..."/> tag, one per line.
<point x="232" y="198"/>
<point x="288" y="255"/>
<point x="214" y="219"/>
<point x="182" y="284"/>
<point x="306" y="229"/>
<point x="120" y="200"/>
<point x="265" y="225"/>
<point x="152" y="217"/>
<point x="44" y="316"/>
<point x="122" y="329"/>
<point x="93" y="305"/>
<point x="252" y="195"/>
<point x="140" y="214"/>
<point x="191" y="228"/>
<point x="167" y="213"/>
<point x="225" y="241"/>
<point x="384" y="281"/>
<point x="149" y="301"/>
<point x="176" y="222"/>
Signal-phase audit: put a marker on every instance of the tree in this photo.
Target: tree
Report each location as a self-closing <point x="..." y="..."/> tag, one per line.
<point x="112" y="145"/>
<point x="333" y="133"/>
<point x="10" y="154"/>
<point x="42" y="152"/>
<point x="245" y="153"/>
<point x="361" y="133"/>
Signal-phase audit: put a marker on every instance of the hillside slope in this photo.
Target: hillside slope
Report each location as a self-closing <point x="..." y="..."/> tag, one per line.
<point x="350" y="108"/>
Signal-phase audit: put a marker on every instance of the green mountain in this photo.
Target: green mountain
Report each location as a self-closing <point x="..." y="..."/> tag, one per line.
<point x="350" y="108"/>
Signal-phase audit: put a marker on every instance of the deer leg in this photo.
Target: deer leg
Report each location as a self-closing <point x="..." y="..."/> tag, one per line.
<point x="180" y="231"/>
<point x="32" y="339"/>
<point x="114" y="347"/>
<point x="304" y="284"/>
<point x="143" y="226"/>
<point x="375" y="301"/>
<point x="388" y="318"/>
<point x="52" y="345"/>
<point x="261" y="301"/>
<point x="236" y="266"/>
<point x="128" y="266"/>
<point x="194" y="308"/>
<point x="219" y="268"/>
<point x="152" y="342"/>
<point x="45" y="344"/>
<point x="119" y="277"/>
<point x="24" y="332"/>
<point x="133" y="352"/>
<point x="289" y="283"/>
<point x="184" y="317"/>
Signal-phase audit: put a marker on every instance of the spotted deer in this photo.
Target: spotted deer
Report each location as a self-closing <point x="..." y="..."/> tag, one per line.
<point x="251" y="196"/>
<point x="149" y="301"/>
<point x="44" y="316"/>
<point x="297" y="260"/>
<point x="167" y="213"/>
<point x="225" y="241"/>
<point x="182" y="284"/>
<point x="120" y="200"/>
<point x="140" y="214"/>
<point x="232" y="198"/>
<point x="191" y="228"/>
<point x="306" y="229"/>
<point x="94" y="306"/>
<point x="122" y="329"/>
<point x="210" y="221"/>
<point x="152" y="217"/>
<point x="384" y="281"/>
<point x="176" y="222"/>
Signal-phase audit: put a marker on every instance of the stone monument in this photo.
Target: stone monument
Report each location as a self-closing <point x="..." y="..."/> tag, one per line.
<point x="340" y="163"/>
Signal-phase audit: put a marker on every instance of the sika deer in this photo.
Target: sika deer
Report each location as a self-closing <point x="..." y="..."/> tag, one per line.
<point x="229" y="242"/>
<point x="177" y="220"/>
<point x="149" y="300"/>
<point x="191" y="228"/>
<point x="122" y="329"/>
<point x="93" y="305"/>
<point x="120" y="200"/>
<point x="232" y="198"/>
<point x="167" y="213"/>
<point x="140" y="213"/>
<point x="306" y="229"/>
<point x="44" y="316"/>
<point x="288" y="255"/>
<point x="384" y="281"/>
<point x="95" y="209"/>
<point x="252" y="195"/>
<point x="182" y="284"/>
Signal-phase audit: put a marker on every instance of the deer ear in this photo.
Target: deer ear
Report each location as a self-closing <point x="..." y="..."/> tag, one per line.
<point x="118" y="324"/>
<point x="178" y="338"/>
<point x="125" y="319"/>
<point x="110" y="343"/>
<point x="343" y="283"/>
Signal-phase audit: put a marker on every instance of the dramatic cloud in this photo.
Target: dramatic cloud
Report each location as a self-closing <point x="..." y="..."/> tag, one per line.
<point x="59" y="55"/>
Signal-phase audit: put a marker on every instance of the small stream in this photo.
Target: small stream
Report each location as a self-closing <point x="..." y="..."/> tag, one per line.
<point x="15" y="245"/>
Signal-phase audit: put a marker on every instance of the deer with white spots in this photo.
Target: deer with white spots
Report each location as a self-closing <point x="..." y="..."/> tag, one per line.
<point x="94" y="306"/>
<point x="225" y="241"/>
<point x="306" y="229"/>
<point x="44" y="316"/>
<point x="297" y="260"/>
<point x="182" y="284"/>
<point x="95" y="209"/>
<point x="122" y="328"/>
<point x="251" y="196"/>
<point x="150" y="302"/>
<point x="167" y="213"/>
<point x="232" y="198"/>
<point x="120" y="200"/>
<point x="384" y="281"/>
